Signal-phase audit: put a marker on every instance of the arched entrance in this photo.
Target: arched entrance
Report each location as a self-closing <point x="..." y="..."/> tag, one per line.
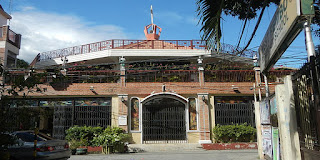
<point x="164" y="119"/>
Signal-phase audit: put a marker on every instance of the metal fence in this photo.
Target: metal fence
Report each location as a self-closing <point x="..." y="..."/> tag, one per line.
<point x="306" y="95"/>
<point x="238" y="113"/>
<point x="139" y="44"/>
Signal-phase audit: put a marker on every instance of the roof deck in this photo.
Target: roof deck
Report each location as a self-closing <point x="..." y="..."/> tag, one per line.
<point x="137" y="44"/>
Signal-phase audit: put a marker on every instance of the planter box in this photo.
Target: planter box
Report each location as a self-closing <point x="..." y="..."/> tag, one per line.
<point x="229" y="146"/>
<point x="93" y="149"/>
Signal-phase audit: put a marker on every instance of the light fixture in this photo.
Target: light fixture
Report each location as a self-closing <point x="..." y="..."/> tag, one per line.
<point x="122" y="99"/>
<point x="235" y="89"/>
<point x="91" y="88"/>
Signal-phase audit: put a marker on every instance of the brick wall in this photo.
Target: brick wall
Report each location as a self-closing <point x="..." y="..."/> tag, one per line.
<point x="144" y="89"/>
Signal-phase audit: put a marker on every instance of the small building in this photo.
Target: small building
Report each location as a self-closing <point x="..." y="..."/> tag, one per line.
<point x="159" y="91"/>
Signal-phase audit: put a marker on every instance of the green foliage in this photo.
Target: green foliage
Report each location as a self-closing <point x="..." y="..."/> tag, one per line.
<point x="111" y="137"/>
<point x="22" y="64"/>
<point x="234" y="133"/>
<point x="84" y="134"/>
<point x="210" y="13"/>
<point x="95" y="136"/>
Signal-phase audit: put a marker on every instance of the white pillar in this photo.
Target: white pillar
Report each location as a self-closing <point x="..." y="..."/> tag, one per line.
<point x="258" y="126"/>
<point x="289" y="138"/>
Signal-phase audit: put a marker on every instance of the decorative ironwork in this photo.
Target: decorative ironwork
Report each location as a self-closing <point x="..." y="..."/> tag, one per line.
<point x="164" y="121"/>
<point x="139" y="44"/>
<point x="234" y="113"/>
<point x="93" y="116"/>
<point x="305" y="94"/>
<point x="81" y="112"/>
<point x="62" y="120"/>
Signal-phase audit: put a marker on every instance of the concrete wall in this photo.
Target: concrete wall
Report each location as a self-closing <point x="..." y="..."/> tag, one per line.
<point x="193" y="137"/>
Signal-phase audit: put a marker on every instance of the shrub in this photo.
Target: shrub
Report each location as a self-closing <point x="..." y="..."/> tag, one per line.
<point x="83" y="134"/>
<point x="234" y="133"/>
<point x="111" y="137"/>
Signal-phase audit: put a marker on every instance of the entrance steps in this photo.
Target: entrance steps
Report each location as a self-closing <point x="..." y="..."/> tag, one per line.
<point x="164" y="147"/>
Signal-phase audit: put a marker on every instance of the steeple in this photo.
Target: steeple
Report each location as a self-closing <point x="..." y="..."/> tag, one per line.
<point x="152" y="31"/>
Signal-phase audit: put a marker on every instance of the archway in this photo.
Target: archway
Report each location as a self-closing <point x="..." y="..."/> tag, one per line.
<point x="164" y="119"/>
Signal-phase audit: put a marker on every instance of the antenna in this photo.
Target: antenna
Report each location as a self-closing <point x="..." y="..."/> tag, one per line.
<point x="151" y="10"/>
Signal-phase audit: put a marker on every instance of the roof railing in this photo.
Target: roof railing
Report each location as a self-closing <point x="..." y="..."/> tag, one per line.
<point x="136" y="44"/>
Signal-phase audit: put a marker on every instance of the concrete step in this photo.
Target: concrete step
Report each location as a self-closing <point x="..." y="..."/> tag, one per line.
<point x="164" y="147"/>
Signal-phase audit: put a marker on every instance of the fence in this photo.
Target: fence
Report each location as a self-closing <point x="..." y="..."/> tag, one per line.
<point x="237" y="113"/>
<point x="139" y="44"/>
<point x="306" y="95"/>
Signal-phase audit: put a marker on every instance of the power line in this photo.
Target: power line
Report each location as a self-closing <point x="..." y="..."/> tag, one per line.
<point x="255" y="28"/>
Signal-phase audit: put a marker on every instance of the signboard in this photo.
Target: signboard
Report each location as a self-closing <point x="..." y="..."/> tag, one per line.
<point x="266" y="140"/>
<point x="275" y="143"/>
<point x="264" y="112"/>
<point x="122" y="120"/>
<point x="283" y="29"/>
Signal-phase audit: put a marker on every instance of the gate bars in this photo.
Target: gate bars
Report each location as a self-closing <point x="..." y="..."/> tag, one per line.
<point x="306" y="95"/>
<point x="164" y="122"/>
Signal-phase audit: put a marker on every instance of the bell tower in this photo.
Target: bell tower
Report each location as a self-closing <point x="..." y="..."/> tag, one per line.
<point x="152" y="31"/>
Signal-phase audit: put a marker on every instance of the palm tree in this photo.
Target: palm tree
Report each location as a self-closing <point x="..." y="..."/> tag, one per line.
<point x="210" y="13"/>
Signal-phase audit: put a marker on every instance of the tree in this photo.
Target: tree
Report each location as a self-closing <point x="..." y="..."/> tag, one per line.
<point x="10" y="116"/>
<point x="210" y="13"/>
<point x="22" y="64"/>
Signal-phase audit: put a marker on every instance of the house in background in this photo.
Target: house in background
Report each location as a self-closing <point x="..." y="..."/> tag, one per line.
<point x="9" y="41"/>
<point x="159" y="91"/>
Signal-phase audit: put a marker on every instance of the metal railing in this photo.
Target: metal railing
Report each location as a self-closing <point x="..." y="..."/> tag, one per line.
<point x="12" y="36"/>
<point x="113" y="76"/>
<point x="138" y="44"/>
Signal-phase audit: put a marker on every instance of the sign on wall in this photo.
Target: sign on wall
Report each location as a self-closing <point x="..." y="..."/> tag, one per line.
<point x="282" y="30"/>
<point x="266" y="140"/>
<point x="122" y="120"/>
<point x="265" y="112"/>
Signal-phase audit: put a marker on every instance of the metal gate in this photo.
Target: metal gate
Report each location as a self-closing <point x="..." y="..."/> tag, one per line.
<point x="238" y="113"/>
<point x="306" y="95"/>
<point x="92" y="116"/>
<point x="164" y="121"/>
<point x="62" y="120"/>
<point x="81" y="112"/>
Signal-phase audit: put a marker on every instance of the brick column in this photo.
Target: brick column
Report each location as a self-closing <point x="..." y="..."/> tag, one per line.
<point x="122" y="61"/>
<point x="204" y="120"/>
<point x="201" y="71"/>
<point x="123" y="111"/>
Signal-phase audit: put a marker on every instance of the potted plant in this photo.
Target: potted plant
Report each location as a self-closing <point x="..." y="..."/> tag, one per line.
<point x="74" y="144"/>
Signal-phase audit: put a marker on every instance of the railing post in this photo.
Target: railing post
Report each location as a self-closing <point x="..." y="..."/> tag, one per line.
<point x="122" y="44"/>
<point x="137" y="44"/>
<point x="177" y="44"/>
<point x="152" y="44"/>
<point x="112" y="44"/>
<point x="191" y="43"/>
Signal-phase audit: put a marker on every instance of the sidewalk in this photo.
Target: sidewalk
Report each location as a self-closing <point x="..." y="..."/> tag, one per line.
<point x="176" y="155"/>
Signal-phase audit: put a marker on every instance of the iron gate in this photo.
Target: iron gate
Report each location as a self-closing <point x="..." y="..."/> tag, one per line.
<point x="306" y="95"/>
<point x="92" y="116"/>
<point x="164" y="121"/>
<point x="62" y="120"/>
<point x="81" y="112"/>
<point x="238" y="113"/>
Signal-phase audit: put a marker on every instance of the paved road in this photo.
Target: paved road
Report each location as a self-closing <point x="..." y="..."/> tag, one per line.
<point x="176" y="155"/>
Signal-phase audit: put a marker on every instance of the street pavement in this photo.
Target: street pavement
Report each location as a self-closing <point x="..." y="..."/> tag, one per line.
<point x="176" y="155"/>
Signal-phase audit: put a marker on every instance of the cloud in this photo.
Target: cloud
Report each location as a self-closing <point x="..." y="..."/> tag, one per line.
<point x="42" y="31"/>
